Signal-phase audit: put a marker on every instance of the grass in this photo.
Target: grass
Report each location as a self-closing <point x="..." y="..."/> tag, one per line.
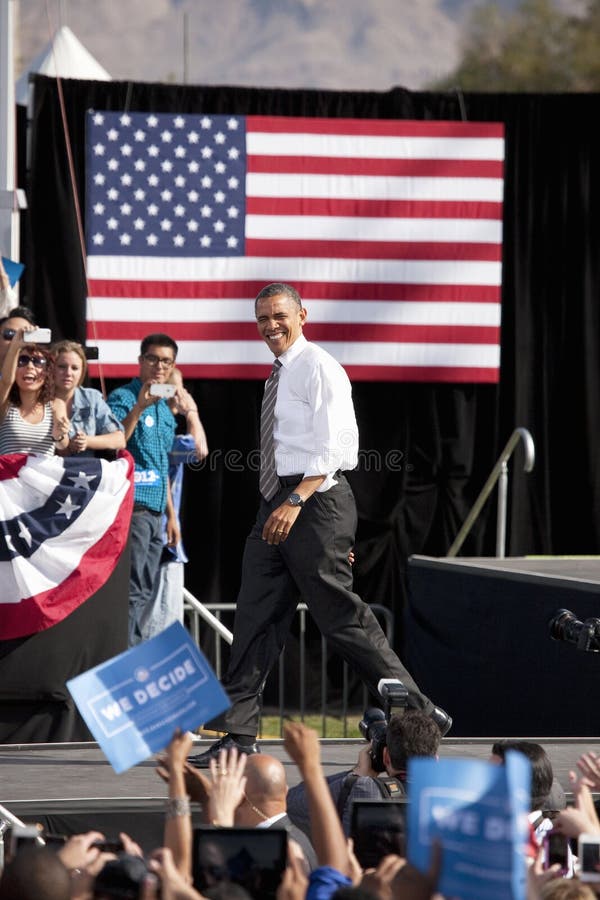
<point x="334" y="725"/>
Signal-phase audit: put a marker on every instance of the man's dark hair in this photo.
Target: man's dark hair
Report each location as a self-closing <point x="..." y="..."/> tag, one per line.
<point x="412" y="733"/>
<point x="35" y="872"/>
<point x="19" y="312"/>
<point x="541" y="767"/>
<point x="159" y="340"/>
<point x="279" y="287"/>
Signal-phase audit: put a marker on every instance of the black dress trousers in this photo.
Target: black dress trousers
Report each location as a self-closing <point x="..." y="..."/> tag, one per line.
<point x="312" y="564"/>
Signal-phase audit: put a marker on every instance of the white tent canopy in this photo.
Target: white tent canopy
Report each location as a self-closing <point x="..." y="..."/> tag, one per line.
<point x="64" y="56"/>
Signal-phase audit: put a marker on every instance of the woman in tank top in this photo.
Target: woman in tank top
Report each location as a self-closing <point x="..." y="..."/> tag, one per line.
<point x="32" y="420"/>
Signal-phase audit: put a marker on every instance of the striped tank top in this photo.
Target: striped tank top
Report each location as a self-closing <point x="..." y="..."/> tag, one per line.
<point x="19" y="436"/>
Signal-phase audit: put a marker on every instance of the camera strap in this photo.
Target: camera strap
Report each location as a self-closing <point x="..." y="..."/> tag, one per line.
<point x="388" y="786"/>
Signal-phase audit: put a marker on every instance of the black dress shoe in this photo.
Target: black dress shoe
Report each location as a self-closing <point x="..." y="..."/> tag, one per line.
<point x="202" y="760"/>
<point x="441" y="719"/>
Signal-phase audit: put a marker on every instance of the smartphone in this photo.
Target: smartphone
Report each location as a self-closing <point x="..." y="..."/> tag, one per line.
<point x="24" y="836"/>
<point x="377" y="828"/>
<point x="589" y="857"/>
<point x="115" y="846"/>
<point x="91" y="352"/>
<point x="163" y="390"/>
<point x="254" y="858"/>
<point x="556" y="847"/>
<point x="38" y="336"/>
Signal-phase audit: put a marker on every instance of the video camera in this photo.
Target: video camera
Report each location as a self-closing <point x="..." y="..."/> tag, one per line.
<point x="374" y="723"/>
<point x="565" y="626"/>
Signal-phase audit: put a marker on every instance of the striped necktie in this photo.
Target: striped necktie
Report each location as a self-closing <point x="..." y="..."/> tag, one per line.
<point x="268" y="480"/>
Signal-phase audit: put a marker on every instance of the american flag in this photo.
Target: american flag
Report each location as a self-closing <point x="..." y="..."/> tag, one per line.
<point x="390" y="230"/>
<point x="63" y="526"/>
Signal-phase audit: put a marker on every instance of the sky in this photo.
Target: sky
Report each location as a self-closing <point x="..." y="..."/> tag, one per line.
<point x="328" y="44"/>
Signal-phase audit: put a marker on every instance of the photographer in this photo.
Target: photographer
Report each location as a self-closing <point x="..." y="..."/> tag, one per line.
<point x="380" y="770"/>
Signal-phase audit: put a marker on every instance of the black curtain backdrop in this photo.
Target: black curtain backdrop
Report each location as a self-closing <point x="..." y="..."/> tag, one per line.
<point x="447" y="437"/>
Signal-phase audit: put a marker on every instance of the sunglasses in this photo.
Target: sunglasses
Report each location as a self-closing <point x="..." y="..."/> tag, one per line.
<point x="8" y="334"/>
<point x="40" y="362"/>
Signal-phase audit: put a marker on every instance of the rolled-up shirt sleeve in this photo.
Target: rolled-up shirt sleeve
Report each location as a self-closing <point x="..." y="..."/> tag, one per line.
<point x="315" y="425"/>
<point x="335" y="433"/>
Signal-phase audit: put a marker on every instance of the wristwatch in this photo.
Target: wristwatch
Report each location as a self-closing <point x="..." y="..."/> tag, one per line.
<point x="295" y="500"/>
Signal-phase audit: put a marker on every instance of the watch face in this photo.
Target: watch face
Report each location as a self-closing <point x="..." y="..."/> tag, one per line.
<point x="295" y="500"/>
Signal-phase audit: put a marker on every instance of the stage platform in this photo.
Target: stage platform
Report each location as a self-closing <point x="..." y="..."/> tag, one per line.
<point x="478" y="642"/>
<point x="72" y="788"/>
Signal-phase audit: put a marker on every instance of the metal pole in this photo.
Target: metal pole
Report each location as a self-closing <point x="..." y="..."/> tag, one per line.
<point x="501" y="514"/>
<point x="9" y="210"/>
<point x="186" y="47"/>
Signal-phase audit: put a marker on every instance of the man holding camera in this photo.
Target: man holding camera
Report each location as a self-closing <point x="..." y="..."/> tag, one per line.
<point x="380" y="770"/>
<point x="149" y="428"/>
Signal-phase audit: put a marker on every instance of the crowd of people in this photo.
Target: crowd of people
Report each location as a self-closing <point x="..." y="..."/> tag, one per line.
<point x="238" y="793"/>
<point x="47" y="408"/>
<point x="301" y="544"/>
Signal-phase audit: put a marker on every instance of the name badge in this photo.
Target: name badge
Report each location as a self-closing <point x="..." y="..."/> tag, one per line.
<point x="148" y="477"/>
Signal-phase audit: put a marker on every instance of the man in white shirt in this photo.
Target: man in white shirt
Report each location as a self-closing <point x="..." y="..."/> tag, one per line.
<point x="304" y="532"/>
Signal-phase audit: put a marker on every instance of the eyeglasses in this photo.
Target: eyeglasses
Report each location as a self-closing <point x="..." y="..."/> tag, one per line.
<point x="153" y="360"/>
<point x="40" y="362"/>
<point x="8" y="334"/>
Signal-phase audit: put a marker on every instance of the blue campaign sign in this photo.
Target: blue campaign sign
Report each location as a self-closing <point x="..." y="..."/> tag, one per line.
<point x="13" y="269"/>
<point x="478" y="812"/>
<point x="133" y="703"/>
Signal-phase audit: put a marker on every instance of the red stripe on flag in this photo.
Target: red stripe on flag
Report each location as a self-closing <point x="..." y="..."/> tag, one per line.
<point x="363" y="292"/>
<point x="392" y="127"/>
<point x="346" y="165"/>
<point x="399" y="209"/>
<point x="355" y="373"/>
<point x="358" y="332"/>
<point x="448" y="250"/>
<point x="463" y="374"/>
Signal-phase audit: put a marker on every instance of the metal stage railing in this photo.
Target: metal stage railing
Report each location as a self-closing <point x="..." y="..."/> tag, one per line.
<point x="498" y="474"/>
<point x="9" y="820"/>
<point x="212" y="615"/>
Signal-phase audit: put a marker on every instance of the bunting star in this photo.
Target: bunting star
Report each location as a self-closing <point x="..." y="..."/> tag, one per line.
<point x="67" y="508"/>
<point x="24" y="533"/>
<point x="82" y="480"/>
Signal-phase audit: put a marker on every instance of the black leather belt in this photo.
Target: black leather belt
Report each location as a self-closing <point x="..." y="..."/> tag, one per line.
<point x="288" y="480"/>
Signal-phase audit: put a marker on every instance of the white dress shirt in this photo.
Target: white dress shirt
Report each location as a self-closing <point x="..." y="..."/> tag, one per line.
<point x="315" y="426"/>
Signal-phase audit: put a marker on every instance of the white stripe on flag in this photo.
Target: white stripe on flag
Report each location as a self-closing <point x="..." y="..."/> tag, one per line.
<point x="353" y="146"/>
<point x="147" y="268"/>
<point x="336" y="228"/>
<point x="216" y="309"/>
<point x="371" y="187"/>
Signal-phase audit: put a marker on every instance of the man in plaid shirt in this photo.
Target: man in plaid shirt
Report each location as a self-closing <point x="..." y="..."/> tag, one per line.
<point x="149" y="431"/>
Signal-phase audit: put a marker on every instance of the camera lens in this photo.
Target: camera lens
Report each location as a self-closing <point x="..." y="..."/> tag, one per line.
<point x="565" y="626"/>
